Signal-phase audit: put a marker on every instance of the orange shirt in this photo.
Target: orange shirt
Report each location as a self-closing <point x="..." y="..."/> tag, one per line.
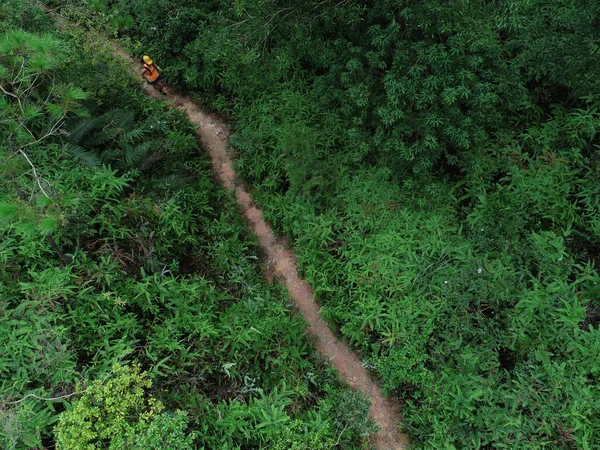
<point x="151" y="72"/>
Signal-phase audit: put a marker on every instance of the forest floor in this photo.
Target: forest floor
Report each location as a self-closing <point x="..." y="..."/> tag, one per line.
<point x="281" y="264"/>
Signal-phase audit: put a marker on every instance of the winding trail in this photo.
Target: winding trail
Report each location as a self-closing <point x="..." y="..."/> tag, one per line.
<point x="214" y="136"/>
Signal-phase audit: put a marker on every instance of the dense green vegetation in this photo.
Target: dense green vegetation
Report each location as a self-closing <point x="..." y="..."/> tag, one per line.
<point x="435" y="164"/>
<point x="133" y="313"/>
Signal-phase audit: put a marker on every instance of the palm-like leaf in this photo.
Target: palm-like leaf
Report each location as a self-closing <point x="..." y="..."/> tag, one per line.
<point x="83" y="127"/>
<point x="134" y="154"/>
<point x="87" y="157"/>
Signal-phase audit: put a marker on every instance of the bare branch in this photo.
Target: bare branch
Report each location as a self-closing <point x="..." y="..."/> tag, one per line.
<point x="13" y="95"/>
<point x="21" y="123"/>
<point x="339" y="437"/>
<point x="54" y="399"/>
<point x="52" y="131"/>
<point x="50" y="399"/>
<point x="37" y="178"/>
<point x="20" y="71"/>
<point x="238" y="23"/>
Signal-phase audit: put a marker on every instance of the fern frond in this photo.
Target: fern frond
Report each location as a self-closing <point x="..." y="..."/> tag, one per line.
<point x="134" y="135"/>
<point x="102" y="137"/>
<point x="150" y="159"/>
<point x="83" y="127"/>
<point x="86" y="157"/>
<point x="120" y="118"/>
<point x="135" y="154"/>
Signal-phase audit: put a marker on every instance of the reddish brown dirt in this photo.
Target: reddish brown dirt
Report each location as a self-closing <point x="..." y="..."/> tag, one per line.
<point x="281" y="263"/>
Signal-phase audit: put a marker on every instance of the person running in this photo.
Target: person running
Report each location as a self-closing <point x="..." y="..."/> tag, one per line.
<point x="151" y="75"/>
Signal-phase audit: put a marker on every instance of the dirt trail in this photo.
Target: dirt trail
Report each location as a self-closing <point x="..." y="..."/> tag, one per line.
<point x="214" y="136"/>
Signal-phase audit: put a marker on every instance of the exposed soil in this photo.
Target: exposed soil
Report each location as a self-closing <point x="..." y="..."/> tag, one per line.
<point x="281" y="263"/>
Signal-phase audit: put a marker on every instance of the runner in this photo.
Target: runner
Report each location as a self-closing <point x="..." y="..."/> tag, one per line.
<point x="151" y="75"/>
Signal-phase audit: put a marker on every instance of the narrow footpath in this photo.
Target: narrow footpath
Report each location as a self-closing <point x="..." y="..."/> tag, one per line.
<point x="214" y="137"/>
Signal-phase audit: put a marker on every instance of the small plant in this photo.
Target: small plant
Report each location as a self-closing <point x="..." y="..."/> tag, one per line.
<point x="117" y="413"/>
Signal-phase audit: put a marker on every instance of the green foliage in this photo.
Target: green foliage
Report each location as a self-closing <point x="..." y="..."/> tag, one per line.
<point x="120" y="247"/>
<point x="434" y="164"/>
<point x="24" y="14"/>
<point x="116" y="413"/>
<point x="36" y="347"/>
<point x="33" y="111"/>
